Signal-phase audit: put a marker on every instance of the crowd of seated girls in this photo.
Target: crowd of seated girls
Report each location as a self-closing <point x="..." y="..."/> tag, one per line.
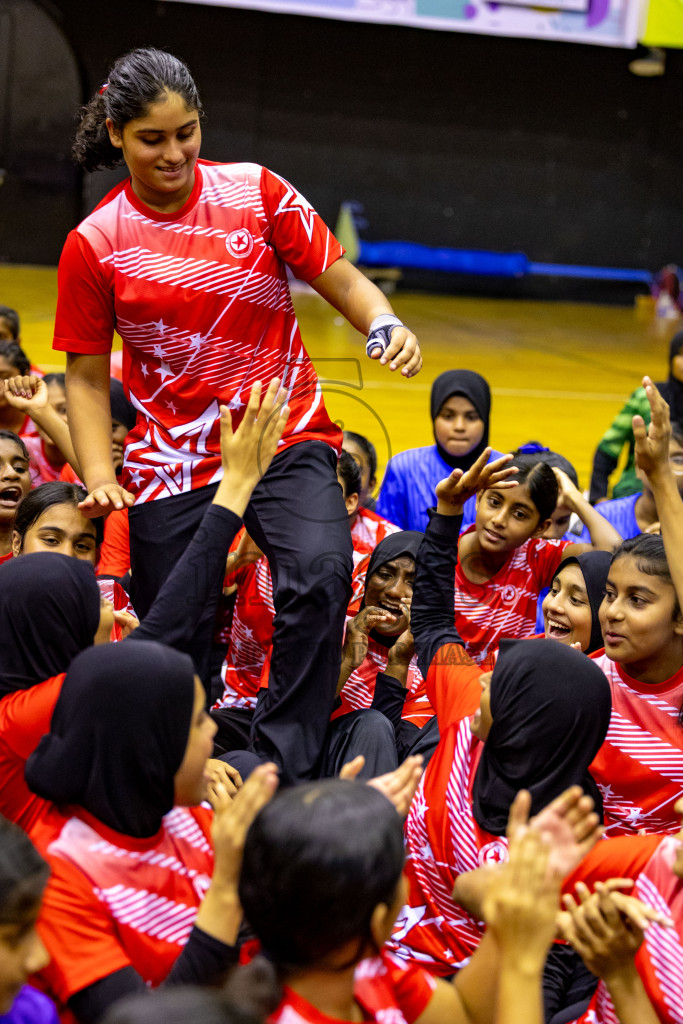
<point x="494" y="836"/>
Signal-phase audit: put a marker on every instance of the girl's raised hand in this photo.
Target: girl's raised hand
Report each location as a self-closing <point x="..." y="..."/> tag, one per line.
<point x="569" y="823"/>
<point x="247" y="451"/>
<point x="520" y="905"/>
<point x="567" y="491"/>
<point x="398" y="786"/>
<point x="233" y="816"/>
<point x="652" y="443"/>
<point x="456" y="489"/>
<point x="27" y="393"/>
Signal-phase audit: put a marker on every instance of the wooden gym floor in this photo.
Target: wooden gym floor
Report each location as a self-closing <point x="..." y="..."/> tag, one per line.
<point x="559" y="372"/>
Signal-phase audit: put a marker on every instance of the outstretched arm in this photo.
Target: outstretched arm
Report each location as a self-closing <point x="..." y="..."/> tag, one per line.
<point x="432" y="611"/>
<point x="652" y="457"/>
<point x="603" y="535"/>
<point x="361" y="302"/>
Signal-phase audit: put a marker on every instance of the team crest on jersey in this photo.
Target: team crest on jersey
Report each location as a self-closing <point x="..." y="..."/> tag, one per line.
<point x="509" y="593"/>
<point x="493" y="853"/>
<point x="239" y="243"/>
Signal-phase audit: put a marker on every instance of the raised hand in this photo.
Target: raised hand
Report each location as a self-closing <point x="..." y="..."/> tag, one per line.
<point x="567" y="491"/>
<point x="520" y="905"/>
<point x="652" y="443"/>
<point x="398" y="786"/>
<point x="27" y="393"/>
<point x="247" y="451"/>
<point x="569" y="823"/>
<point x="233" y="815"/>
<point x="454" y="491"/>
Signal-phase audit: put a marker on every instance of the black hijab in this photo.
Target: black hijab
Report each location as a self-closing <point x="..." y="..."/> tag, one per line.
<point x="476" y="390"/>
<point x="122" y="410"/>
<point x="551" y="707"/>
<point x="672" y="389"/>
<point x="49" y="611"/>
<point x="118" y="735"/>
<point x="594" y="566"/>
<point x="395" y="545"/>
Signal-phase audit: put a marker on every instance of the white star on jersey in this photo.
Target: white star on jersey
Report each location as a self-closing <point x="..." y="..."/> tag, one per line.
<point x="143" y="369"/>
<point x="158" y="351"/>
<point x="164" y="371"/>
<point x="294" y="202"/>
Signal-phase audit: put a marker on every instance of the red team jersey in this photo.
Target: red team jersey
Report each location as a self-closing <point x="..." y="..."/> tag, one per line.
<point x="201" y="302"/>
<point x="505" y="606"/>
<point x="113" y="901"/>
<point x="42" y="471"/>
<point x="639" y="768"/>
<point x="251" y="633"/>
<point x="443" y="839"/>
<point x="367" y="531"/>
<point x="386" y="990"/>
<point x="359" y="688"/>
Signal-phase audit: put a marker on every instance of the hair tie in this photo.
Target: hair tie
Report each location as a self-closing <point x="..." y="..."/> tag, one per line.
<point x="103" y="88"/>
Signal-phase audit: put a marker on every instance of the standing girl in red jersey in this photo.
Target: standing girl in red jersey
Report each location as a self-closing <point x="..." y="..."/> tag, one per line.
<point x="15" y="483"/>
<point x="503" y="560"/>
<point x="188" y="260"/>
<point x="640" y="768"/>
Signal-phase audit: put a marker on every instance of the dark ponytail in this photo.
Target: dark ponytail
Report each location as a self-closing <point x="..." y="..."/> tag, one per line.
<point x="136" y="80"/>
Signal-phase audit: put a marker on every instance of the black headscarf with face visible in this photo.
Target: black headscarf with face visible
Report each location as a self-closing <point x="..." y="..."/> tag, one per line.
<point x="475" y="389"/>
<point x="49" y="611"/>
<point x="551" y="707"/>
<point x="594" y="566"/>
<point x="118" y="735"/>
<point x="395" y="545"/>
<point x="672" y="389"/>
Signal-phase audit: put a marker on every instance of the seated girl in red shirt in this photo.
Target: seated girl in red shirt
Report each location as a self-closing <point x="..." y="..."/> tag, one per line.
<point x="503" y="560"/>
<point x="572" y="605"/>
<point x="379" y="666"/>
<point x="15" y="483"/>
<point x="143" y="880"/>
<point x="640" y="767"/>
<point x="333" y="854"/>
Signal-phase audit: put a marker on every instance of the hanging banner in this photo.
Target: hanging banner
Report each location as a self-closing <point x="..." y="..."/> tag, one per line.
<point x="603" y="22"/>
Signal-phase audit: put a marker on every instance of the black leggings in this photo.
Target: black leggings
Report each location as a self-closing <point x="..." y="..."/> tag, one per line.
<point x="298" y="518"/>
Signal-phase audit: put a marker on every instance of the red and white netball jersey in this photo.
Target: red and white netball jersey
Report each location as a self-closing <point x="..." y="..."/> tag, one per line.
<point x="201" y="301"/>
<point x="113" y="901"/>
<point x="639" y="767"/>
<point x="251" y="633"/>
<point x="387" y="992"/>
<point x="367" y="531"/>
<point x="42" y="471"/>
<point x="505" y="606"/>
<point x="443" y="839"/>
<point x="359" y="688"/>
